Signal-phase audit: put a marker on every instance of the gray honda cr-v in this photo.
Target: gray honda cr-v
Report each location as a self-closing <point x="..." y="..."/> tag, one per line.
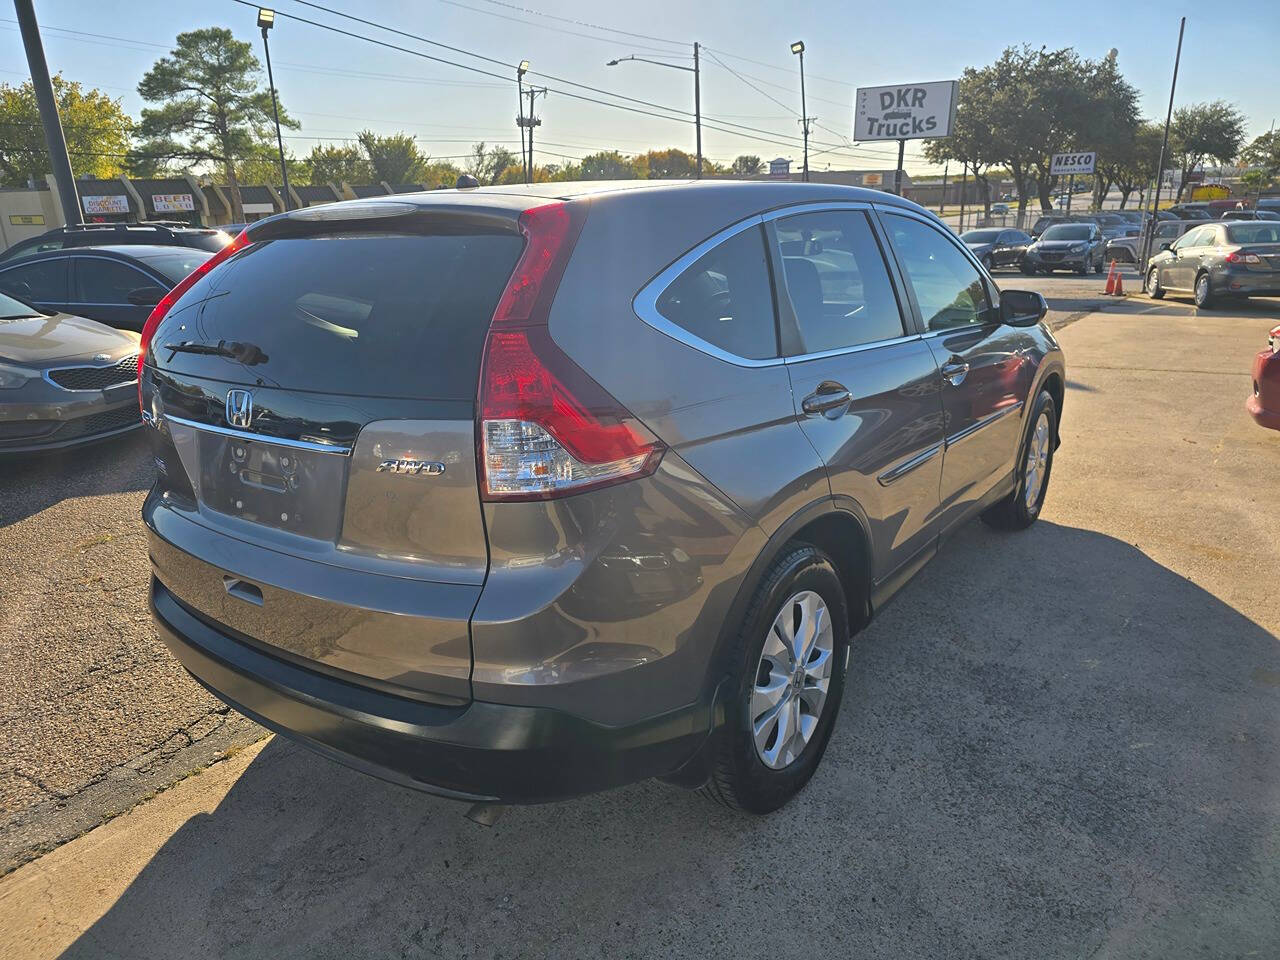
<point x="515" y="494"/>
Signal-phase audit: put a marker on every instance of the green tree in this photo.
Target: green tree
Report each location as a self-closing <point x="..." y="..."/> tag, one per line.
<point x="1110" y="124"/>
<point x="440" y="173"/>
<point x="393" y="158"/>
<point x="96" y="129"/>
<point x="209" y="106"/>
<point x="1264" y="152"/>
<point x="608" y="165"/>
<point x="264" y="167"/>
<point x="672" y="163"/>
<point x="488" y="164"/>
<point x="1131" y="167"/>
<point x="970" y="141"/>
<point x="1205" y="131"/>
<point x="745" y="165"/>
<point x="338" y="164"/>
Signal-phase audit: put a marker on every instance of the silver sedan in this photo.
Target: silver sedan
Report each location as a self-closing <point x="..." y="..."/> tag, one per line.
<point x="64" y="380"/>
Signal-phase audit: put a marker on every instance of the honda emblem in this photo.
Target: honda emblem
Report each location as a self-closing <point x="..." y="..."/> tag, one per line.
<point x="239" y="408"/>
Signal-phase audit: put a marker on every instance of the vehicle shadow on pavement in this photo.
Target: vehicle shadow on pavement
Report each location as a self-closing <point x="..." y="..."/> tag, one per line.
<point x="1051" y="745"/>
<point x="36" y="482"/>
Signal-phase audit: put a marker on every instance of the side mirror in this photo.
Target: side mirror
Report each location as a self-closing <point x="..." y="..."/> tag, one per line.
<point x="1022" y="308"/>
<point x="1166" y="245"/>
<point x="146" y="296"/>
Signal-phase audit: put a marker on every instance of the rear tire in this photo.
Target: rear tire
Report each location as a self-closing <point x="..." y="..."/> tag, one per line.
<point x="1035" y="463"/>
<point x="759" y="775"/>
<point x="1204" y="294"/>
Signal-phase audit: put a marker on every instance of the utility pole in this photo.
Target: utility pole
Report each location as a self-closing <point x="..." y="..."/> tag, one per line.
<point x="964" y="175"/>
<point x="798" y="49"/>
<point x="524" y="157"/>
<point x="697" y="104"/>
<point x="48" y="107"/>
<point x="897" y="174"/>
<point x="1164" y="145"/>
<point x="532" y="121"/>
<point x="266" y="20"/>
<point x="942" y="204"/>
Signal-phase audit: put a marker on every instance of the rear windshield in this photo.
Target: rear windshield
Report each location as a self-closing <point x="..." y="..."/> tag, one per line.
<point x="980" y="236"/>
<point x="1256" y="231"/>
<point x="1066" y="231"/>
<point x="391" y="315"/>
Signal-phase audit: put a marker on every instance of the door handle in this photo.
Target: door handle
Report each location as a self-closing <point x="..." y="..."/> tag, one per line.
<point x="829" y="396"/>
<point x="954" y="371"/>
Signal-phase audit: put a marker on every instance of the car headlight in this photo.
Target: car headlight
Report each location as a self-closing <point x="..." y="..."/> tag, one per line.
<point x="1080" y="248"/>
<point x="13" y="377"/>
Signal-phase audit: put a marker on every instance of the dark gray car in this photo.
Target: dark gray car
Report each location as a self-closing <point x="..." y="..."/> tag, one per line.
<point x="997" y="247"/>
<point x="113" y="285"/>
<point x="64" y="380"/>
<point x="1066" y="246"/>
<point x="518" y="493"/>
<point x="1235" y="258"/>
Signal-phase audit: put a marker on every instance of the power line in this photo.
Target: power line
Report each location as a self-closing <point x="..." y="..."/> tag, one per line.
<point x="584" y="23"/>
<point x="546" y="26"/>
<point x="750" y="84"/>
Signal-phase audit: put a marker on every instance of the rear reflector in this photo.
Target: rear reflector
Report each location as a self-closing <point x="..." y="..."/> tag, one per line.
<point x="546" y="428"/>
<point x="166" y="303"/>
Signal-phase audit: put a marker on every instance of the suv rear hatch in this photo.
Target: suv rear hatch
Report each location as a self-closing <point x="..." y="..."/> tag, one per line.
<point x="314" y="398"/>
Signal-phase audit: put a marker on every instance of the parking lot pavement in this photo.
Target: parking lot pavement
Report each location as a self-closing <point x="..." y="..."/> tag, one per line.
<point x="94" y="712"/>
<point x="1059" y="743"/>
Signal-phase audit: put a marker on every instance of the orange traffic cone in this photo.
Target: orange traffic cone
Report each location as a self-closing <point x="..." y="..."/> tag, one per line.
<point x="1119" y="290"/>
<point x="1111" y="280"/>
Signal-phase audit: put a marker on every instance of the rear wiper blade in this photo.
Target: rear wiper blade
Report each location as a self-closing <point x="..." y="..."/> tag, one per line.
<point x="246" y="353"/>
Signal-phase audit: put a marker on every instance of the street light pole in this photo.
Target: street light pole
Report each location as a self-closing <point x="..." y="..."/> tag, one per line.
<point x="48" y="108"/>
<point x="1164" y="145"/>
<point x="798" y="49"/>
<point x="697" y="90"/>
<point x="267" y="20"/>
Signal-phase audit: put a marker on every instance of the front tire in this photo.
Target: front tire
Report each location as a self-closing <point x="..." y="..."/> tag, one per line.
<point x="1154" y="289"/>
<point x="789" y="668"/>
<point x="1035" y="462"/>
<point x="1205" y="297"/>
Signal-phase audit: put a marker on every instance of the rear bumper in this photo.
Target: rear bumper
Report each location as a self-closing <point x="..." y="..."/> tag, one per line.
<point x="480" y="751"/>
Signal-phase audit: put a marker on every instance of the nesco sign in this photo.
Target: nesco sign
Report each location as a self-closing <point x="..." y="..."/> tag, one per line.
<point x="1066" y="164"/>
<point x="907" y="112"/>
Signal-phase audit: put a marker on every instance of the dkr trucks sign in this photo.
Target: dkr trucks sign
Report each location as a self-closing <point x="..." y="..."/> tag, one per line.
<point x="912" y="112"/>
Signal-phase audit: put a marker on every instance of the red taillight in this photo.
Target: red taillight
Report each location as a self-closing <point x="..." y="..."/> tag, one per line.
<point x="1242" y="256"/>
<point x="169" y="299"/>
<point x="546" y="428"/>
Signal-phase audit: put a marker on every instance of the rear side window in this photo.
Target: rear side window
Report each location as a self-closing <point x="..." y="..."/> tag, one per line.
<point x="837" y="280"/>
<point x="107" y="281"/>
<point x="725" y="298"/>
<point x="393" y="315"/>
<point x="43" y="282"/>
<point x="177" y="265"/>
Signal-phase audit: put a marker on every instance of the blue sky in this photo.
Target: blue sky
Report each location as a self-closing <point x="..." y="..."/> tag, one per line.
<point x="336" y="85"/>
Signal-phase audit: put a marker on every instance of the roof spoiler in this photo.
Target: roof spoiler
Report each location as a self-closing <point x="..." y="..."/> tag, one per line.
<point x="383" y="216"/>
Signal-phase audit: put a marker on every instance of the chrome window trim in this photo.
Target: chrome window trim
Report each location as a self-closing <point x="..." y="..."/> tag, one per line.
<point x="902" y="469"/>
<point x="98" y="366"/>
<point x="856" y="348"/>
<point x="977" y="425"/>
<point x="311" y="445"/>
<point x="645" y="303"/>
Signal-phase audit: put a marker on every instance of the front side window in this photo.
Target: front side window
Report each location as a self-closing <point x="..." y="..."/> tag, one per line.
<point x="948" y="288"/>
<point x="725" y="298"/>
<point x="107" y="281"/>
<point x="42" y="282"/>
<point x="837" y="281"/>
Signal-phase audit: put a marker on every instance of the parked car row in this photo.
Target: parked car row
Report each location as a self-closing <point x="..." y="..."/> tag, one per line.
<point x="1219" y="259"/>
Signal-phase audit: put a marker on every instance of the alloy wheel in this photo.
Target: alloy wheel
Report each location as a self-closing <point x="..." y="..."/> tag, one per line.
<point x="1037" y="462"/>
<point x="792" y="680"/>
